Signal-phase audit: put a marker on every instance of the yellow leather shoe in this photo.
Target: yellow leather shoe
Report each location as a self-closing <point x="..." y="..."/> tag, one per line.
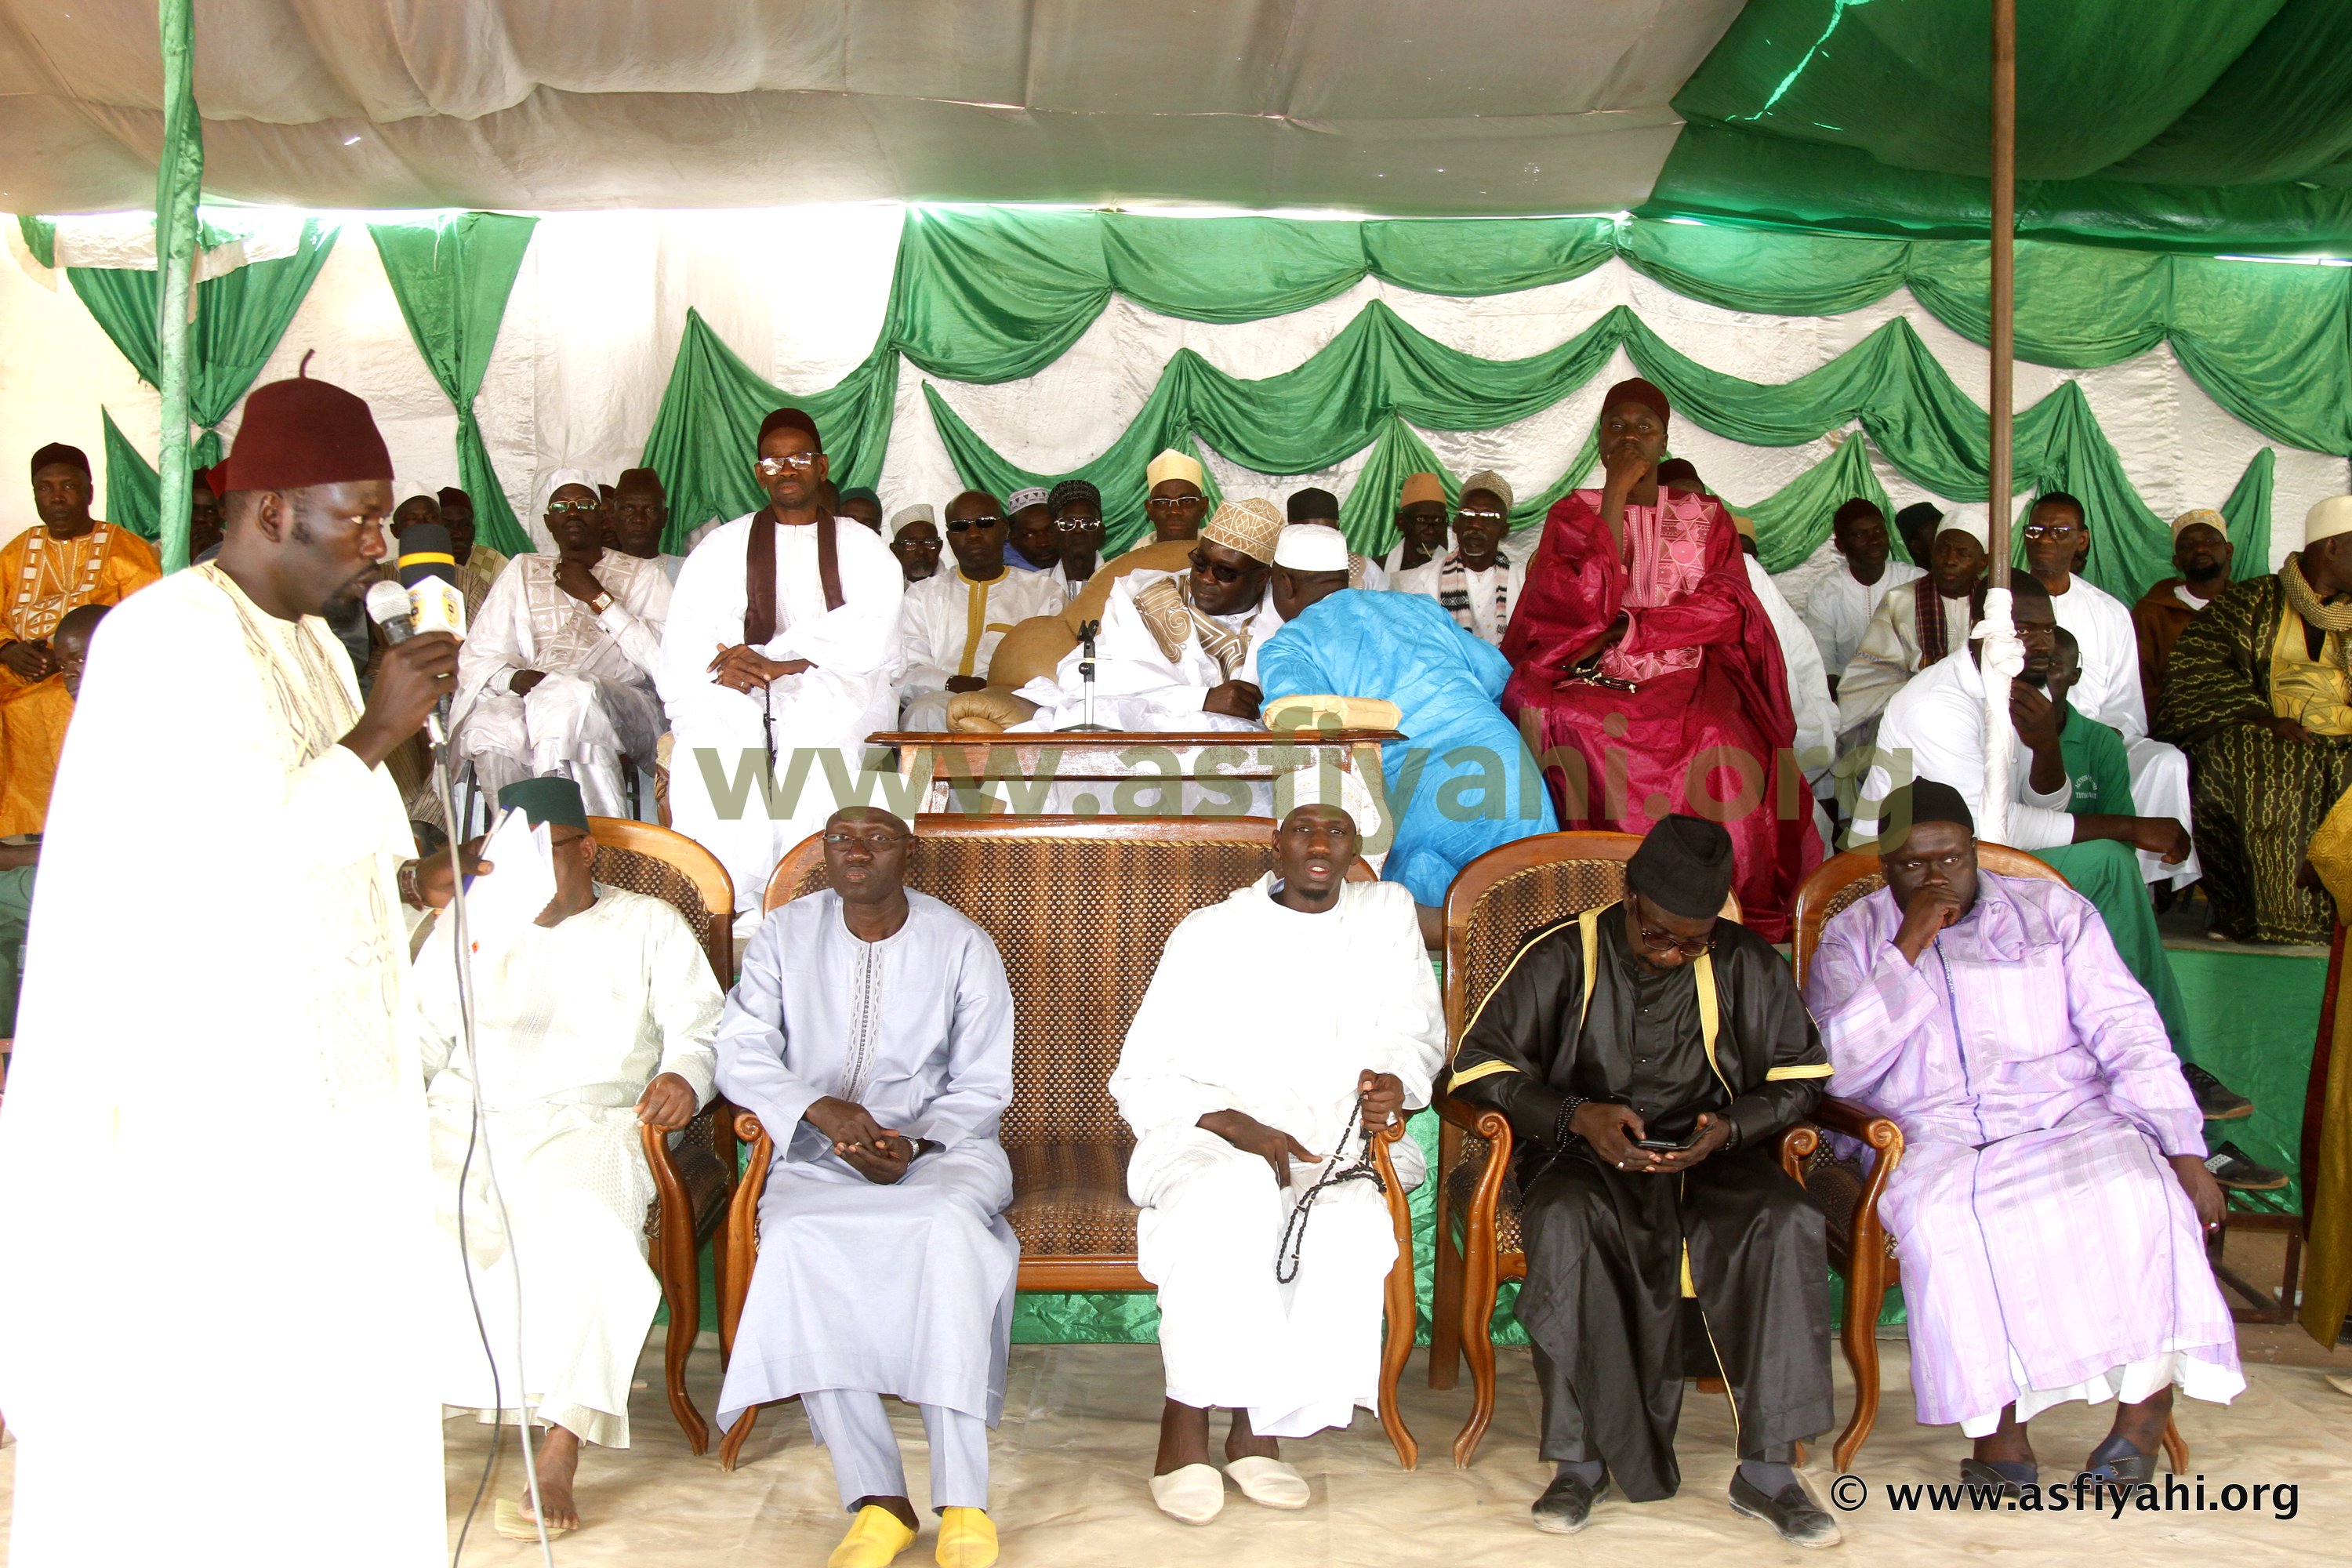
<point x="875" y="1537"/>
<point x="966" y="1538"/>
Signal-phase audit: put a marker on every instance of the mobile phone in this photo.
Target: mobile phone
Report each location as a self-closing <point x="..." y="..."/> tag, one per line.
<point x="1667" y="1145"/>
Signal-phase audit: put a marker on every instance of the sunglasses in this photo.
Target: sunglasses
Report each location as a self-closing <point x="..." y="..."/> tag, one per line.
<point x="1658" y="941"/>
<point x="2051" y="530"/>
<point x="799" y="462"/>
<point x="960" y="524"/>
<point x="1217" y="569"/>
<point x="576" y="508"/>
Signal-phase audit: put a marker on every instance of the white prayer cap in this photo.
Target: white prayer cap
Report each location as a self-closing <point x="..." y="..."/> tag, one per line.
<point x="1172" y="464"/>
<point x="1969" y="519"/>
<point x="2328" y="519"/>
<point x="2204" y="514"/>
<point x="1022" y="499"/>
<point x="560" y="477"/>
<point x="919" y="512"/>
<point x="1311" y="547"/>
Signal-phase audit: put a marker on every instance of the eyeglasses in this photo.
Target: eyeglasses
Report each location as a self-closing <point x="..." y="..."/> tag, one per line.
<point x="1172" y="503"/>
<point x="577" y="507"/>
<point x="1217" y="569"/>
<point x="876" y="841"/>
<point x="1079" y="524"/>
<point x="1663" y="942"/>
<point x="920" y="545"/>
<point x="959" y="524"/>
<point x="2051" y="530"/>
<point x="1496" y="516"/>
<point x="799" y="462"/>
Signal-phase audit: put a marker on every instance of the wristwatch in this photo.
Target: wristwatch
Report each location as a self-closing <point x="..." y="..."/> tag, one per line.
<point x="601" y="602"/>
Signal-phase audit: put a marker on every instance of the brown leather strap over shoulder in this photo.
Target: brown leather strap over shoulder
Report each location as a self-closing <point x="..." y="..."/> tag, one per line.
<point x="760" y="574"/>
<point x="828" y="562"/>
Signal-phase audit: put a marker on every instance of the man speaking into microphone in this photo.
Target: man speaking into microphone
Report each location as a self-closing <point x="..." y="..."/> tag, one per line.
<point x="216" y="1151"/>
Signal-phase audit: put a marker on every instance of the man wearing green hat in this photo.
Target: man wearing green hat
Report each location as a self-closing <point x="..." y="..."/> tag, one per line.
<point x="596" y="1021"/>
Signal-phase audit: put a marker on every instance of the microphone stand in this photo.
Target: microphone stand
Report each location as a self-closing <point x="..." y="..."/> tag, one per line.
<point x="1086" y="630"/>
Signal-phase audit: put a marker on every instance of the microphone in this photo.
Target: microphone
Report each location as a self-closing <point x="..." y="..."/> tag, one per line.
<point x="426" y="599"/>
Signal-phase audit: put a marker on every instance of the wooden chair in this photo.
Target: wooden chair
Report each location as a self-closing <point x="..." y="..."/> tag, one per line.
<point x="1497" y="903"/>
<point x="693" y="1168"/>
<point x="1051" y="891"/>
<point x="1860" y="1249"/>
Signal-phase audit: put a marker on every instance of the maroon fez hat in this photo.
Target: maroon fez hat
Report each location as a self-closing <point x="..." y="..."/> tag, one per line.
<point x="303" y="432"/>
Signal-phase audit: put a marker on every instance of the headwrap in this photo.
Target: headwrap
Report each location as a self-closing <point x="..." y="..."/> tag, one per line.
<point x="1419" y="487"/>
<point x="560" y="477"/>
<point x="790" y="419"/>
<point x="59" y="452"/>
<point x="1312" y="505"/>
<point x="1638" y="391"/>
<point x="641" y="479"/>
<point x="1024" y="498"/>
<point x="2204" y="514"/>
<point x="2328" y="519"/>
<point x="302" y="432"/>
<point x="1069" y="490"/>
<point x="1172" y="464"/>
<point x="1969" y="519"/>
<point x="1494" y="484"/>
<point x="1684" y="866"/>
<point x="1925" y="800"/>
<point x="854" y="492"/>
<point x="451" y="496"/>
<point x="1252" y="527"/>
<point x="1311" y="547"/>
<point x="554" y="800"/>
<point x="919" y="512"/>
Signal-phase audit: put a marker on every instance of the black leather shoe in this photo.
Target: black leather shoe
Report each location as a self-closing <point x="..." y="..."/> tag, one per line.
<point x="1565" y="1506"/>
<point x="1793" y="1512"/>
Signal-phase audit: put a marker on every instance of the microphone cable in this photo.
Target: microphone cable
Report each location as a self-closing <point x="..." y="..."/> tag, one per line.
<point x="477" y="1138"/>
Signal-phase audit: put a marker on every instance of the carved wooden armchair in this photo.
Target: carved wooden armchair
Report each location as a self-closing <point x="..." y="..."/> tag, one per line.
<point x="1048" y="890"/>
<point x="694" y="1169"/>
<point x="1498" y="901"/>
<point x="1860" y="1249"/>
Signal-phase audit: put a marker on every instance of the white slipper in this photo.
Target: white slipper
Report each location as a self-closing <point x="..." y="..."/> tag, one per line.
<point x="1269" y="1483"/>
<point x="1192" y="1495"/>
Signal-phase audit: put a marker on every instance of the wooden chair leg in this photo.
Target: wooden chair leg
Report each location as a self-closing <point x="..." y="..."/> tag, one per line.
<point x="1865" y="1292"/>
<point x="682" y="1286"/>
<point x="731" y="1446"/>
<point x="1478" y="1288"/>
<point x="1445" y="1301"/>
<point x="1401" y="1314"/>
<point x="2176" y="1447"/>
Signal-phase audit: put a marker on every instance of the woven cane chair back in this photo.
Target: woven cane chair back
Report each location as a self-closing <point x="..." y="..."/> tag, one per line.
<point x="1079" y="912"/>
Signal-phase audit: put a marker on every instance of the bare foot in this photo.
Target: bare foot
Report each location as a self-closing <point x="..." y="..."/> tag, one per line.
<point x="1240" y="1443"/>
<point x="1183" y="1438"/>
<point x="2007" y="1443"/>
<point x="558" y="1463"/>
<point x="899" y="1508"/>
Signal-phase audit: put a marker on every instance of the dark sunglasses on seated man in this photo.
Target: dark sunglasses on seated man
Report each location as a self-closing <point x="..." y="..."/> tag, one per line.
<point x="960" y="524"/>
<point x="1222" y="571"/>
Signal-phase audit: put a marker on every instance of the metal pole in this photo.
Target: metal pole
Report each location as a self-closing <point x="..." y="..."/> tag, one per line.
<point x="2004" y="274"/>
<point x="179" y="175"/>
<point x="1998" y="653"/>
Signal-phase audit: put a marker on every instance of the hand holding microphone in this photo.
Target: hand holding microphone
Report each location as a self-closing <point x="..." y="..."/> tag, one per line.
<point x="422" y="616"/>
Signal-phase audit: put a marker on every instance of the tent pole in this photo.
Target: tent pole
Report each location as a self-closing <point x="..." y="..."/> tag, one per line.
<point x="179" y="174"/>
<point x="1998" y="651"/>
<point x="2004" y="275"/>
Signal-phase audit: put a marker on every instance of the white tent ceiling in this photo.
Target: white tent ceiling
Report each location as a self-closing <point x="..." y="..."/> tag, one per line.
<point x="1386" y="106"/>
